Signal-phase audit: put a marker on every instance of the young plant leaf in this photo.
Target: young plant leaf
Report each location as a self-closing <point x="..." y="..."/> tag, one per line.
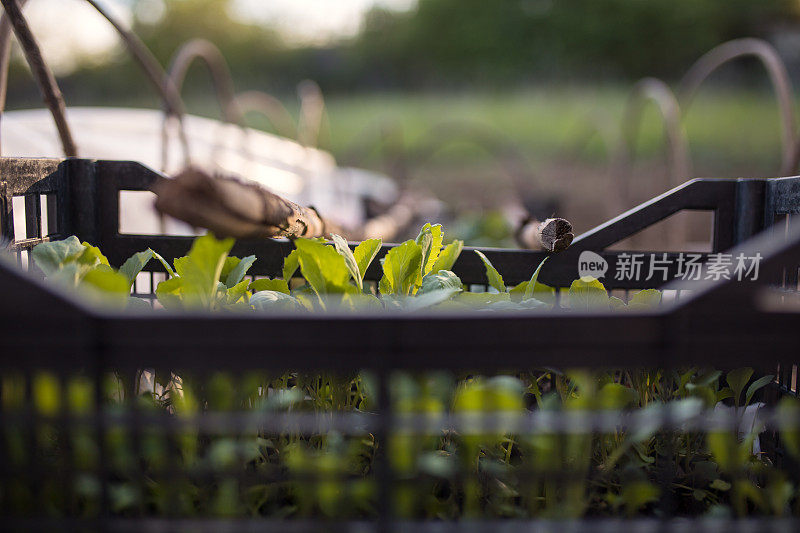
<point x="349" y="259"/>
<point x="134" y="264"/>
<point x="447" y="257"/>
<point x="755" y="386"/>
<point x="646" y="299"/>
<point x="425" y="242"/>
<point x="737" y="379"/>
<point x="444" y="279"/>
<point x="365" y="253"/>
<point x="290" y="265"/>
<point x="586" y="294"/>
<point x="107" y="284"/>
<point x="531" y="286"/>
<point x="437" y="235"/>
<point x="323" y="267"/>
<point x="50" y="256"/>
<point x="278" y="285"/>
<point x="169" y="293"/>
<point x="92" y="255"/>
<point x="201" y="268"/>
<point x="401" y="267"/>
<point x="495" y="279"/>
<point x="275" y="301"/>
<point x="235" y="293"/>
<point x="236" y="275"/>
<point x="430" y="298"/>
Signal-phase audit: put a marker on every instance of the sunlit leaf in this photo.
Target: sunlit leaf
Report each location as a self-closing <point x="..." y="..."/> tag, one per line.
<point x="447" y="257"/>
<point x="349" y="259"/>
<point x="587" y="294"/>
<point x="494" y="277"/>
<point x="236" y="275"/>
<point x="265" y="284"/>
<point x="401" y="267"/>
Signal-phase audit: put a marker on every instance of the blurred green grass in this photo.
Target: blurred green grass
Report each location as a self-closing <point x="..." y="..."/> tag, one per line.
<point x="727" y="129"/>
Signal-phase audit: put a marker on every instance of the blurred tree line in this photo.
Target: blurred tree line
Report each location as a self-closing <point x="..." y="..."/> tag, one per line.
<point x="527" y="40"/>
<point x="446" y="43"/>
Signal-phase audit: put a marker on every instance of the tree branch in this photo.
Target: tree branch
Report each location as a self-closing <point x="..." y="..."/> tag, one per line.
<point x="233" y="208"/>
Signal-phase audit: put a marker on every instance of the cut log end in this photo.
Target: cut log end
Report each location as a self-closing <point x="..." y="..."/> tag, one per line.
<point x="556" y="234"/>
<point x="552" y="235"/>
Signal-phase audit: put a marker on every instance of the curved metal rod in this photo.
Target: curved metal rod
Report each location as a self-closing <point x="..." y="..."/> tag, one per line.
<point x="779" y="77"/>
<point x="656" y="91"/>
<point x="220" y="77"/>
<point x="5" y="59"/>
<point x="218" y="68"/>
<point x="312" y="113"/>
<point x="271" y="108"/>
<point x="170" y="95"/>
<point x="138" y="50"/>
<point x="48" y="86"/>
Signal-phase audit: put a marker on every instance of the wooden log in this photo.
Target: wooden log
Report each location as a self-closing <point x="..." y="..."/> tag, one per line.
<point x="233" y="208"/>
<point x="552" y="234"/>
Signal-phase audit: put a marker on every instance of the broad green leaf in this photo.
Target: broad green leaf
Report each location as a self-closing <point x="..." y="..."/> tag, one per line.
<point x="170" y="293"/>
<point x="201" y="268"/>
<point x="50" y="256"/>
<point x="279" y="285"/>
<point x="430" y="298"/>
<point x="364" y="253"/>
<point x="755" y="386"/>
<point x="228" y="266"/>
<point x="134" y="264"/>
<point x="401" y="267"/>
<point x="349" y="259"/>
<point x="494" y="277"/>
<point x="290" y="265"/>
<point x="648" y="298"/>
<point x="586" y="294"/>
<point x="738" y="379"/>
<point x="322" y="266"/>
<point x="617" y="304"/>
<point x="723" y="394"/>
<point x="384" y="286"/>
<point x="443" y="279"/>
<point x="236" y="275"/>
<point x="69" y="274"/>
<point x="275" y="301"/>
<point x="235" y="293"/>
<point x="107" y="284"/>
<point x="92" y="255"/>
<point x="447" y="257"/>
<point x="361" y="302"/>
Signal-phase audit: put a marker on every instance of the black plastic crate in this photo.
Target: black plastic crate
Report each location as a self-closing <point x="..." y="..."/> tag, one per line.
<point x="45" y="332"/>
